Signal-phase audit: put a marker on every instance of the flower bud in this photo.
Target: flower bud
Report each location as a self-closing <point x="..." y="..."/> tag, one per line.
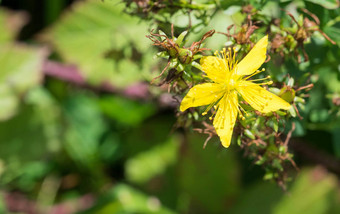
<point x="185" y="56"/>
<point x="287" y="93"/>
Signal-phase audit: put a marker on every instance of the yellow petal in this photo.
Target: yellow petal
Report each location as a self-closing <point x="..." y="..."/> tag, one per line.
<point x="215" y="68"/>
<point x="225" y="118"/>
<point x="254" y="59"/>
<point x="261" y="99"/>
<point x="200" y="95"/>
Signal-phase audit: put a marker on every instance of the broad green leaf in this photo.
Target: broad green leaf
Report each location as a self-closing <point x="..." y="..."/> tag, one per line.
<point x="122" y="198"/>
<point x="219" y="23"/>
<point x="336" y="141"/>
<point x="207" y="177"/>
<point x="328" y="4"/>
<point x="10" y="24"/>
<point x="257" y="199"/>
<point x="152" y="162"/>
<point x="106" y="44"/>
<point x="29" y="137"/>
<point x="149" y="134"/>
<point x="20" y="71"/>
<point x="2" y="201"/>
<point x="309" y="194"/>
<point x="9" y="103"/>
<point x="23" y="143"/>
<point x="313" y="191"/>
<point x="271" y="9"/>
<point x="43" y="101"/>
<point x="332" y="29"/>
<point x="85" y="126"/>
<point x="232" y="10"/>
<point x="125" y="111"/>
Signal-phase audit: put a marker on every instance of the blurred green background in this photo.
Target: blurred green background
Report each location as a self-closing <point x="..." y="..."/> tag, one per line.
<point x="80" y="131"/>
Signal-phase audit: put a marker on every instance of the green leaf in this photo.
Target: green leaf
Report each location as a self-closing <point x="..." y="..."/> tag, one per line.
<point x="258" y="198"/>
<point x="23" y="143"/>
<point x="292" y="111"/>
<point x="273" y="123"/>
<point x="125" y="199"/>
<point x="232" y="10"/>
<point x="309" y="194"/>
<point x="125" y="111"/>
<point x="2" y="199"/>
<point x="84" y="128"/>
<point x="313" y="191"/>
<point x="10" y="24"/>
<point x="208" y="177"/>
<point x="336" y="141"/>
<point x="180" y="38"/>
<point x="29" y="137"/>
<point x="20" y="71"/>
<point x="106" y="44"/>
<point x="152" y="162"/>
<point x="249" y="134"/>
<point x="51" y="119"/>
<point x="328" y="4"/>
<point x="219" y="22"/>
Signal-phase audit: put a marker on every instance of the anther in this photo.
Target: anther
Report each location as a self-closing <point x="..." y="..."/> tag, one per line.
<point x="210" y="118"/>
<point x="204" y="113"/>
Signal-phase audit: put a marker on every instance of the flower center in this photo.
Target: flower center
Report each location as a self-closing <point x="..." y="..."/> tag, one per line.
<point x="232" y="84"/>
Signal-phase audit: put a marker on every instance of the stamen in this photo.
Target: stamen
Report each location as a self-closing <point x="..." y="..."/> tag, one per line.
<point x="214" y="104"/>
<point x="265" y="83"/>
<point x="241" y="112"/>
<point x="253" y="74"/>
<point x="229" y="57"/>
<point x="242" y="109"/>
<point x="234" y="54"/>
<point x="214" y="112"/>
<point x="255" y="80"/>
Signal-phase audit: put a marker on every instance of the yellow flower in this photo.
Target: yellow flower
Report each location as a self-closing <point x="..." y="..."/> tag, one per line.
<point x="230" y="80"/>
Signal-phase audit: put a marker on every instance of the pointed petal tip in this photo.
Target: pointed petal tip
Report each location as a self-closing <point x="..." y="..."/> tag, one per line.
<point x="225" y="145"/>
<point x="225" y="142"/>
<point x="184" y="105"/>
<point x="265" y="37"/>
<point x="182" y="108"/>
<point x="254" y="59"/>
<point x="287" y="107"/>
<point x="264" y="40"/>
